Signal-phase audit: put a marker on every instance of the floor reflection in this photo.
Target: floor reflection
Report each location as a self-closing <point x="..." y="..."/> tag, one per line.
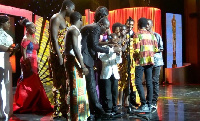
<point x="176" y="103"/>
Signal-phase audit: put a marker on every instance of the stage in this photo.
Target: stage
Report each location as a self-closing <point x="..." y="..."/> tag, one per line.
<point x="176" y="103"/>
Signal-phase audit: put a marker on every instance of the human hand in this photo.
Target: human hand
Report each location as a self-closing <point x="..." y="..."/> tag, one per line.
<point x="11" y="48"/>
<point x="85" y="71"/>
<point x="117" y="49"/>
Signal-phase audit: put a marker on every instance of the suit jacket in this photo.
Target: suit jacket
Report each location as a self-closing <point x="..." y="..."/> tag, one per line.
<point x="90" y="43"/>
<point x="109" y="65"/>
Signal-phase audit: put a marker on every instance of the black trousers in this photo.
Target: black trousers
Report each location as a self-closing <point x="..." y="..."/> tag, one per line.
<point x="109" y="93"/>
<point x="155" y="77"/>
<point x="94" y="104"/>
<point x="138" y="82"/>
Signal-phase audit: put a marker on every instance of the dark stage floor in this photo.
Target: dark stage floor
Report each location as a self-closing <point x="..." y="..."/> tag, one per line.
<point x="176" y="103"/>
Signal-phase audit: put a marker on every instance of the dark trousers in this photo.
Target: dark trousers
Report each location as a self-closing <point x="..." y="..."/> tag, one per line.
<point x="155" y="77"/>
<point x="109" y="93"/>
<point x="95" y="106"/>
<point x="138" y="82"/>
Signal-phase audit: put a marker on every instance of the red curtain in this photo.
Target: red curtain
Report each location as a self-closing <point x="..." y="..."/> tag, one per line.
<point x="121" y="15"/>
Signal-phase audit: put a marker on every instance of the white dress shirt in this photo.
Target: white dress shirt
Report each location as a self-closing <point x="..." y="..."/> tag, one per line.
<point x="109" y="64"/>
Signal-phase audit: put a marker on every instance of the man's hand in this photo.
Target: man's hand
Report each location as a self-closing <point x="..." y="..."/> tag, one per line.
<point x="117" y="49"/>
<point x="85" y="71"/>
<point x="11" y="48"/>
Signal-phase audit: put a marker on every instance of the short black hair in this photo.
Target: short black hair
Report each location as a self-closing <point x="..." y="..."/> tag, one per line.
<point x="25" y="22"/>
<point x="115" y="25"/>
<point x="74" y="17"/>
<point x="67" y="3"/>
<point x="3" y="19"/>
<point x="100" y="12"/>
<point x="142" y="22"/>
<point x="129" y="19"/>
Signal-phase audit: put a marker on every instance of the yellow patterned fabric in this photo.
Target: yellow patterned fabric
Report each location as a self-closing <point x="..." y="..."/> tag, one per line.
<point x="123" y="68"/>
<point x="79" y="107"/>
<point x="60" y="86"/>
<point x="61" y="36"/>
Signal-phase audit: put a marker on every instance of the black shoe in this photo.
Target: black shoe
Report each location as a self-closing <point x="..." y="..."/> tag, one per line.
<point x="134" y="103"/>
<point x="114" y="109"/>
<point x="91" y="118"/>
<point x="154" y="106"/>
<point x="100" y="111"/>
<point x="143" y="109"/>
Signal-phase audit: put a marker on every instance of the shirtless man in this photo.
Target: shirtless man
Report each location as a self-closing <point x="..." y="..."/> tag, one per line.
<point x="58" y="29"/>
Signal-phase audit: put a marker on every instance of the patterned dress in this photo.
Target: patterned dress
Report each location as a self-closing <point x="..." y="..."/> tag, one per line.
<point x="78" y="99"/>
<point x="123" y="67"/>
<point x="60" y="86"/>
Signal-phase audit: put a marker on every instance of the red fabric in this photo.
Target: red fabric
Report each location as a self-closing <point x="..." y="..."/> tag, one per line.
<point x="33" y="56"/>
<point x="121" y="15"/>
<point x="30" y="96"/>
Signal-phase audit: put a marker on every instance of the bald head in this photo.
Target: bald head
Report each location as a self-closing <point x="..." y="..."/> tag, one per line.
<point x="149" y="25"/>
<point x="104" y="23"/>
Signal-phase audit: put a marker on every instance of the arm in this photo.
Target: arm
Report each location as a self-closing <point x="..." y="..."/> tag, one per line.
<point x="54" y="27"/>
<point x="3" y="48"/>
<point x="160" y="42"/>
<point x="94" y="40"/>
<point x="77" y="52"/>
<point x="6" y="49"/>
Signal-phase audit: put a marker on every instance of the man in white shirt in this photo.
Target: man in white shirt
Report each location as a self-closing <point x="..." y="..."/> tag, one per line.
<point x="109" y="77"/>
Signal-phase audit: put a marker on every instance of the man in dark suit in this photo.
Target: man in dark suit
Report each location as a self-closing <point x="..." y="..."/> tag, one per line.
<point x="90" y="45"/>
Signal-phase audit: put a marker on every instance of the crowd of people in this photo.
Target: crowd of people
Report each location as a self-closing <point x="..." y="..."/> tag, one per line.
<point x="76" y="52"/>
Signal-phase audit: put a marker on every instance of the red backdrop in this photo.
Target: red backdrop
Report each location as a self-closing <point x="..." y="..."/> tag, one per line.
<point x="121" y="15"/>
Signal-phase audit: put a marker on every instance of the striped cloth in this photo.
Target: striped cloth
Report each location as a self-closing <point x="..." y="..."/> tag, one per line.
<point x="145" y="45"/>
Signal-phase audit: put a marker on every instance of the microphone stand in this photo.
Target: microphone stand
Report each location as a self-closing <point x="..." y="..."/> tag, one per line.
<point x="129" y="68"/>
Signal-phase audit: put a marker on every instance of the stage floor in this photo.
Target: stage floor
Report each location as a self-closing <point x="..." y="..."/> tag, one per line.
<point x="176" y="103"/>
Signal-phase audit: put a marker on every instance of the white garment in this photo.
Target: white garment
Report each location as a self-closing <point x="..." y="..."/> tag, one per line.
<point x="6" y="95"/>
<point x="109" y="65"/>
<point x="79" y="45"/>
<point x="79" y="40"/>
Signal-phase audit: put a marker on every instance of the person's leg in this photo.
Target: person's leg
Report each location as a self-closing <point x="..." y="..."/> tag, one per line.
<point x="155" y="77"/>
<point x="95" y="106"/>
<point x="138" y="82"/>
<point x="106" y="95"/>
<point x="114" y="89"/>
<point x="149" y="85"/>
<point x="59" y="87"/>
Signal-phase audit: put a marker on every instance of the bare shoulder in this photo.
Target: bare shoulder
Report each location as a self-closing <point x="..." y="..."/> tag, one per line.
<point x="74" y="31"/>
<point x="55" y="18"/>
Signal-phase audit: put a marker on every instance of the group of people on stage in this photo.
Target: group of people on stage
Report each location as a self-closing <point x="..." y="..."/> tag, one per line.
<point x="74" y="51"/>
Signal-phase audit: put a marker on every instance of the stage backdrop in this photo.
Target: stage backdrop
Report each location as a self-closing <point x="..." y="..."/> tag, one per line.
<point x="121" y="15"/>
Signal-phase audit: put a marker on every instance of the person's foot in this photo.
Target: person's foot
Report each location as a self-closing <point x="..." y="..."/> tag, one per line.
<point x="134" y="103"/>
<point x="154" y="106"/>
<point x="100" y="111"/>
<point x="143" y="109"/>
